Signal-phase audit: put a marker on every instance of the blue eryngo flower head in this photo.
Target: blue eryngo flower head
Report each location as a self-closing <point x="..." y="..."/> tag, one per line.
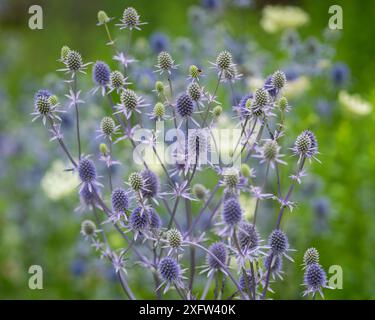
<point x="130" y="102"/>
<point x="74" y="63"/>
<point x="130" y="19"/>
<point x="247" y="282"/>
<point x="165" y="63"/>
<point x="243" y="108"/>
<point x="278" y="80"/>
<point x="279" y="244"/>
<point x="217" y="257"/>
<point x="107" y="128"/>
<point x="139" y="219"/>
<point x="159" y="111"/>
<point x="101" y="73"/>
<point x="340" y="74"/>
<point x="194" y="91"/>
<point x="261" y="98"/>
<point x="136" y="181"/>
<point x="274" y="263"/>
<point x="194" y="72"/>
<point x="120" y="201"/>
<point x="231" y="74"/>
<point x="116" y="80"/>
<point x="88" y="228"/>
<point x="306" y="145"/>
<point x="315" y="279"/>
<point x="217" y="111"/>
<point x="170" y="272"/>
<point x="248" y="237"/>
<point x="151" y="184"/>
<point x="87" y="171"/>
<point x="231" y="178"/>
<point x="154" y="219"/>
<point x="184" y="105"/>
<point x="311" y="256"/>
<point x="159" y="42"/>
<point x="232" y="212"/>
<point x="269" y="152"/>
<point x="174" y="238"/>
<point x="224" y="60"/>
<point x="269" y="87"/>
<point x="278" y="241"/>
<point x="44" y="107"/>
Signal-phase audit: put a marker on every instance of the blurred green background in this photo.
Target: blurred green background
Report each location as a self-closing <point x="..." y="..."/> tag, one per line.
<point x="337" y="210"/>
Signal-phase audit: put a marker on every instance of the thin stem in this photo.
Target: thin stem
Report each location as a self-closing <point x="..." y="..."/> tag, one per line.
<point x="209" y="105"/>
<point x="258" y="199"/>
<point x="77" y="115"/>
<point x="109" y="167"/>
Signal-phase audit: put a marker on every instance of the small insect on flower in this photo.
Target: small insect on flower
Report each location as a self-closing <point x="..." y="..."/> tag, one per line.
<point x="315" y="279"/>
<point x="170" y="272"/>
<point x="306" y="146"/>
<point x="101" y="76"/>
<point x="130" y="102"/>
<point x="279" y="244"/>
<point x="151" y="184"/>
<point x="165" y="63"/>
<point x="88" y="229"/>
<point x="311" y="256"/>
<point x="130" y="19"/>
<point x="194" y="73"/>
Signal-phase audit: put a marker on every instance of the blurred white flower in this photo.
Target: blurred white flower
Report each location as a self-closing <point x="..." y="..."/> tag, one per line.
<point x="354" y="103"/>
<point x="279" y="18"/>
<point x="57" y="183"/>
<point x="297" y="87"/>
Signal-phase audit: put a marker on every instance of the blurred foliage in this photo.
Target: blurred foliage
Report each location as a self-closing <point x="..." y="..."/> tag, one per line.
<point x="337" y="218"/>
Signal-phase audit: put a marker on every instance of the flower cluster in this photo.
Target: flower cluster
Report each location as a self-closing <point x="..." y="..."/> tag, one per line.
<point x="156" y="207"/>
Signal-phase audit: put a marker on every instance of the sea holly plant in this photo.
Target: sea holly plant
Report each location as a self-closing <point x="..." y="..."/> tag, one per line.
<point x="192" y="239"/>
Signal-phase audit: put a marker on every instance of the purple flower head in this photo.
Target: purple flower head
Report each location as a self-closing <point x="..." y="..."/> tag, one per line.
<point x="220" y="252"/>
<point x="159" y="42"/>
<point x="151" y="184"/>
<point x="101" y="73"/>
<point x="169" y="269"/>
<point x="119" y="200"/>
<point x="87" y="196"/>
<point x="246" y="281"/>
<point x="87" y="171"/>
<point x="184" y="105"/>
<point x="274" y="263"/>
<point x="306" y="145"/>
<point x="278" y="241"/>
<point x="154" y="219"/>
<point x="42" y="93"/>
<point x="138" y="219"/>
<point x="248" y="236"/>
<point x="315" y="279"/>
<point x="211" y="4"/>
<point x="232" y="212"/>
<point x="340" y="74"/>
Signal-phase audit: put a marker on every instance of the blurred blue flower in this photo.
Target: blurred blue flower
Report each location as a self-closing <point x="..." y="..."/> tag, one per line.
<point x="159" y="42"/>
<point x="340" y="74"/>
